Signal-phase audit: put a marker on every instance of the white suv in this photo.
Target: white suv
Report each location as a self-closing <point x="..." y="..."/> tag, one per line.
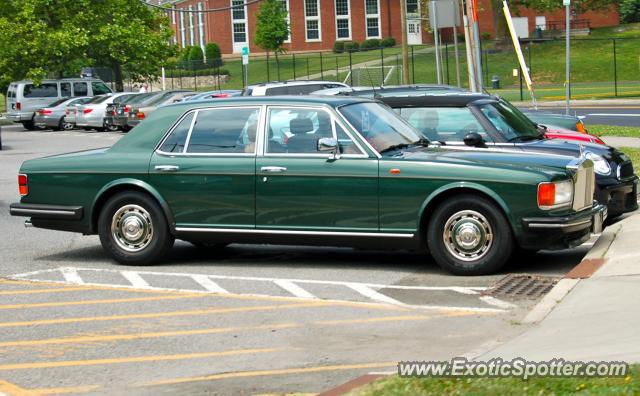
<point x="294" y="87"/>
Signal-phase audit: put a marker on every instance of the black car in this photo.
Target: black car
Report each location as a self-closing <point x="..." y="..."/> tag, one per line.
<point x="118" y="114"/>
<point x="466" y="121"/>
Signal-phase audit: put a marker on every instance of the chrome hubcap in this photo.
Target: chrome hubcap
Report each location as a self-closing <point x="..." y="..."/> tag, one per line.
<point x="131" y="228"/>
<point x="467" y="235"/>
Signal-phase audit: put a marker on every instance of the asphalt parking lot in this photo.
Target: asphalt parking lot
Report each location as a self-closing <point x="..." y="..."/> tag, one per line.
<point x="247" y="319"/>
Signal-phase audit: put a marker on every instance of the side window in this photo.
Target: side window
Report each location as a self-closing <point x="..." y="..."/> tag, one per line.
<point x="176" y="141"/>
<point x="447" y="124"/>
<point x="80" y="89"/>
<point x="65" y="90"/>
<point x="99" y="88"/>
<point x="284" y="90"/>
<point x="224" y="130"/>
<point x="47" y="90"/>
<point x="347" y="146"/>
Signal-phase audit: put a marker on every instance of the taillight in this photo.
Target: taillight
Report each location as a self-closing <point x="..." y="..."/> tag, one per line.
<point x="127" y="108"/>
<point x="87" y="111"/>
<point x="23" y="187"/>
<point x="113" y="112"/>
<point x="18" y="106"/>
<point x="140" y="115"/>
<point x="45" y="112"/>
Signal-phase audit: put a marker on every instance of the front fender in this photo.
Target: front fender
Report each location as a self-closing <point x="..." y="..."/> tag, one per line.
<point x="137" y="184"/>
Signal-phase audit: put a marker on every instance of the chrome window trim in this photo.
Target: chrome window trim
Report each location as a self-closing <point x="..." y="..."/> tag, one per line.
<point x="196" y="111"/>
<point x="334" y="120"/>
<point x="293" y="232"/>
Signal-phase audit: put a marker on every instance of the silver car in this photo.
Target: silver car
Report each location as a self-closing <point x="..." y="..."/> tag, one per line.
<point x="53" y="115"/>
<point x="90" y="115"/>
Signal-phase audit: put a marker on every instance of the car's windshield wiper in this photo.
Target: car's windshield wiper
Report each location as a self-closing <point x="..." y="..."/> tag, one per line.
<point x="523" y="138"/>
<point x="422" y="142"/>
<point x="394" y="147"/>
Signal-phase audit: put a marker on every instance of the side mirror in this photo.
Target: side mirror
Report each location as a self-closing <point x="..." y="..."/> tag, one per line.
<point x="473" y="139"/>
<point x="329" y="145"/>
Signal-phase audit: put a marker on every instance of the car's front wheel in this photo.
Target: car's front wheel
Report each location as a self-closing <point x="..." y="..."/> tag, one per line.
<point x="133" y="229"/>
<point x="469" y="235"/>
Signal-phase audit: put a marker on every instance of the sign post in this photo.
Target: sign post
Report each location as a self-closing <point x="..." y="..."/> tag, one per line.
<point x="567" y="78"/>
<point x="516" y="44"/>
<point x="245" y="65"/>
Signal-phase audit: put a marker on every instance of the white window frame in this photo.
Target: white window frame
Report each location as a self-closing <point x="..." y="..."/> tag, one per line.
<point x="312" y="18"/>
<point x="238" y="21"/>
<point x="342" y="18"/>
<point x="183" y="37"/>
<point x="173" y="16"/>
<point x="286" y="5"/>
<point x="192" y="38"/>
<point x="413" y="14"/>
<point x="372" y="16"/>
<point x="201" y="26"/>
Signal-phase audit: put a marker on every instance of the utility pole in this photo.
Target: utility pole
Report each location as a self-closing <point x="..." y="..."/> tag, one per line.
<point x="405" y="45"/>
<point x="567" y="78"/>
<point x="471" y="69"/>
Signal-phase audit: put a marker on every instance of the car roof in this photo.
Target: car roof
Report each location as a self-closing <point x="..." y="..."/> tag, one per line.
<point x="453" y="99"/>
<point x="58" y="79"/>
<point x="333" y="101"/>
<point x="293" y="82"/>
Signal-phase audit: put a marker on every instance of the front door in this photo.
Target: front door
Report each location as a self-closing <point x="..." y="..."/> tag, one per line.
<point x="301" y="188"/>
<point x="414" y="32"/>
<point x="205" y="168"/>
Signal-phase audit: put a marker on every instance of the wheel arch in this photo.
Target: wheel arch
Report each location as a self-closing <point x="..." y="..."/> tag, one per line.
<point x="128" y="184"/>
<point x="459" y="188"/>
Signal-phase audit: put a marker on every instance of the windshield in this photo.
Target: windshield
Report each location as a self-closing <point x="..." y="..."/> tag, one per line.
<point x="380" y="126"/>
<point x="510" y="122"/>
<point x="98" y="99"/>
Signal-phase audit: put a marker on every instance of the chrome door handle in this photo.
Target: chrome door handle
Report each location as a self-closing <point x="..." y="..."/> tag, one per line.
<point x="273" y="169"/>
<point x="167" y="168"/>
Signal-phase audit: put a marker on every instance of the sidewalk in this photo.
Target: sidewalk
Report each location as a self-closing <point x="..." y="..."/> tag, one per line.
<point x="600" y="317"/>
<point x="619" y="141"/>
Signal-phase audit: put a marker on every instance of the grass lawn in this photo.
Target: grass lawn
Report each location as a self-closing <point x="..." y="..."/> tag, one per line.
<point x="611" y="130"/>
<point x="504" y="386"/>
<point x="3" y="104"/>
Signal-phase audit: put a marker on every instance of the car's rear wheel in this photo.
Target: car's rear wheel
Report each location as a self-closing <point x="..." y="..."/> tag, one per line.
<point x="66" y="126"/>
<point x="469" y="235"/>
<point x="133" y="229"/>
<point x="30" y="125"/>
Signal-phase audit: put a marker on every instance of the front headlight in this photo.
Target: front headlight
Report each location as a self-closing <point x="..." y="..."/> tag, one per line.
<point x="600" y="165"/>
<point x="553" y="195"/>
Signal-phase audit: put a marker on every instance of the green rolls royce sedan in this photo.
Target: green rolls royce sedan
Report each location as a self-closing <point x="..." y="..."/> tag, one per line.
<point x="325" y="171"/>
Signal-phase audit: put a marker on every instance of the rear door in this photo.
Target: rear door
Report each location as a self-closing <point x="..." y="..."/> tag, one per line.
<point x="35" y="97"/>
<point x="11" y="98"/>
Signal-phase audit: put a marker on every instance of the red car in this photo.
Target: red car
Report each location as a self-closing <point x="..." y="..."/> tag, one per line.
<point x="554" y="132"/>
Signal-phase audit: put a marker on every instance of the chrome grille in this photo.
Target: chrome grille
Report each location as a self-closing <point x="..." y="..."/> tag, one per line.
<point x="625" y="170"/>
<point x="584" y="185"/>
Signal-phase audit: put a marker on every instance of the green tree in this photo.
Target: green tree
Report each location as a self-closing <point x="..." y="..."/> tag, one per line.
<point x="214" y="56"/>
<point x="630" y="11"/>
<point x="272" y="28"/>
<point x="39" y="38"/>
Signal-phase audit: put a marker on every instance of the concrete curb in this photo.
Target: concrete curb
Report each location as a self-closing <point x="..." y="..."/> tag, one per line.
<point x="585" y="102"/>
<point x="593" y="260"/>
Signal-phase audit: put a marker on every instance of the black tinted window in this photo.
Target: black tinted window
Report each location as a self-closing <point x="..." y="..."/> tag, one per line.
<point x="80" y="89"/>
<point x="99" y="88"/>
<point x="224" y="131"/>
<point x="47" y="90"/>
<point x="65" y="89"/>
<point x="175" y="141"/>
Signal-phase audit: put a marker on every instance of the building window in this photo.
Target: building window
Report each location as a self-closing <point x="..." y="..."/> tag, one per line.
<point x="413" y="7"/>
<point x="285" y="4"/>
<point x="372" y="17"/>
<point x="239" y="18"/>
<point x="201" y="26"/>
<point x="183" y="37"/>
<point x="192" y="40"/>
<point x="312" y="20"/>
<point x="343" y="20"/>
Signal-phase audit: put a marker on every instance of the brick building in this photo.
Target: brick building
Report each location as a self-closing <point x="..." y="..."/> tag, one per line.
<point x="316" y="24"/>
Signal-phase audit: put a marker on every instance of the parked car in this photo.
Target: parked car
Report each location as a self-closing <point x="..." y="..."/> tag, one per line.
<point x="53" y="115"/>
<point x="293" y="87"/>
<point x="111" y="110"/>
<point x="143" y="109"/>
<point x="90" y="115"/>
<point x="223" y="93"/>
<point x="469" y="121"/>
<point x="119" y="119"/>
<point x="24" y="97"/>
<point x="567" y="121"/>
<point x="209" y="173"/>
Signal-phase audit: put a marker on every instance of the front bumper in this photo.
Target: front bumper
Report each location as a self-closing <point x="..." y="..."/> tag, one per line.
<point x="619" y="198"/>
<point x="562" y="232"/>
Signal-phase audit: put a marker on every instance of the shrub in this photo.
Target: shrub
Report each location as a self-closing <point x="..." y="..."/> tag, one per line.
<point x="338" y="47"/>
<point x="351" y="46"/>
<point x="214" y="56"/>
<point x="388" y="42"/>
<point x="486" y="35"/>
<point x="196" y="54"/>
<point x="630" y="10"/>
<point x="370" y="44"/>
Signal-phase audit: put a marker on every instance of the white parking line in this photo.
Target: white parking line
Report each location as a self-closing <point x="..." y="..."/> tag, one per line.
<point x="612" y="115"/>
<point x="209" y="283"/>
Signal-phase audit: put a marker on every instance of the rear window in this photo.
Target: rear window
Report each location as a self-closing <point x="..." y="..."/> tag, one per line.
<point x="58" y="102"/>
<point x="80" y="89"/>
<point x="121" y="99"/>
<point x="11" y="92"/>
<point x="97" y="99"/>
<point x="46" y="90"/>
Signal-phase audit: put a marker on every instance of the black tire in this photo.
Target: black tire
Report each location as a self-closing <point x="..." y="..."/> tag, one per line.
<point x="475" y="218"/>
<point x="60" y="126"/>
<point x="109" y="128"/>
<point x="66" y="126"/>
<point x="152" y="243"/>
<point x="30" y="125"/>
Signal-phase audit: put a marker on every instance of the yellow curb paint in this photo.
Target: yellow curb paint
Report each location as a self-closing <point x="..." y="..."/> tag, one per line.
<point x="135" y="359"/>
<point x="262" y="373"/>
<point x="96" y="302"/>
<point x="10" y="389"/>
<point x="63" y="391"/>
<point x="40" y="291"/>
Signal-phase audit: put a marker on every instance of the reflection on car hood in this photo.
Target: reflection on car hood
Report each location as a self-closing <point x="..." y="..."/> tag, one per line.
<point x="572" y="148"/>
